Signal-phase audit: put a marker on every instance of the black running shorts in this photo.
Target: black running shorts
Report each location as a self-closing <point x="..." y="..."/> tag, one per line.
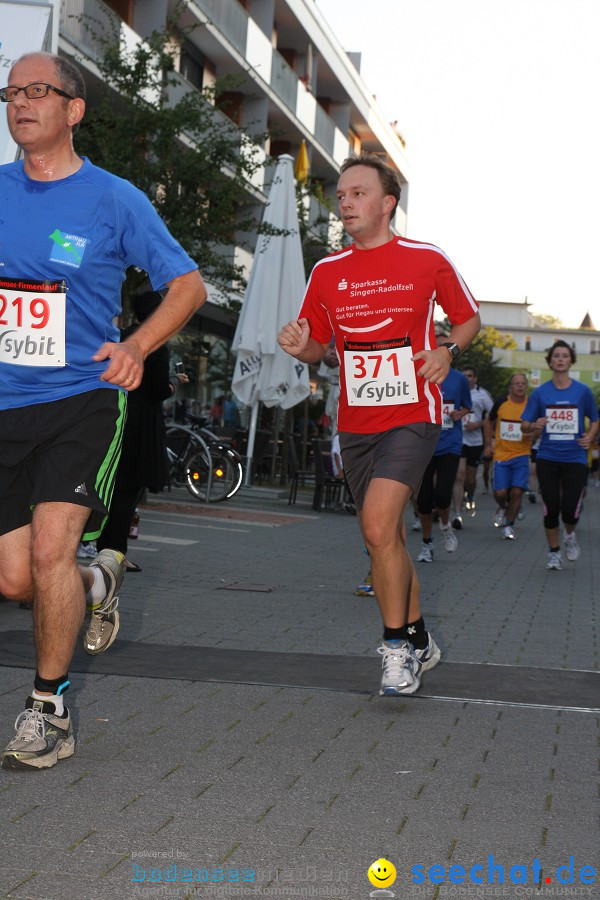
<point x="401" y="454"/>
<point x="472" y="454"/>
<point x="65" y="451"/>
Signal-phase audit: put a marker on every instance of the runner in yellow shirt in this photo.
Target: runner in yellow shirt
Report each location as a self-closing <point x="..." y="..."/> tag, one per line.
<point x="512" y="450"/>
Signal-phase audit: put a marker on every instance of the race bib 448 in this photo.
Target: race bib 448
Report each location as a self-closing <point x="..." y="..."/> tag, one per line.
<point x="562" y="422"/>
<point x="32" y="322"/>
<point x="380" y="373"/>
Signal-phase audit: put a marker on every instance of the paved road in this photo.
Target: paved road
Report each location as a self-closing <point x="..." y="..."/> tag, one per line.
<point x="234" y="730"/>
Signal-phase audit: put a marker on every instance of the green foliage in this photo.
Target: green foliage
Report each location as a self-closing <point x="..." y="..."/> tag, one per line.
<point x="317" y="235"/>
<point x="547" y="321"/>
<point x="173" y="143"/>
<point x="480" y="354"/>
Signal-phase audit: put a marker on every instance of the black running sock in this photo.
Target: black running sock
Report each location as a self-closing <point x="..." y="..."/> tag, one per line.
<point x="416" y="633"/>
<point x="55" y="686"/>
<point x="428" y="540"/>
<point x="394" y="634"/>
<point x="554" y="549"/>
<point x="413" y="631"/>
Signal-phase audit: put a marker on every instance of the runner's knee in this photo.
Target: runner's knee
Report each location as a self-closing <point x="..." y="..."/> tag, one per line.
<point x="378" y="534"/>
<point x="16" y="584"/>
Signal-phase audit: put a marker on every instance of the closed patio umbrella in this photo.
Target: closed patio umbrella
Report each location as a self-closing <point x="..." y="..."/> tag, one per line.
<point x="263" y="371"/>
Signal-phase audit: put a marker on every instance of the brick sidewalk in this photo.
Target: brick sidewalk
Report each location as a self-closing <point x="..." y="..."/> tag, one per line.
<point x="307" y="786"/>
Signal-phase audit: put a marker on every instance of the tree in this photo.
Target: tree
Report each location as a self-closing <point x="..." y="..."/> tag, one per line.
<point x="317" y="235"/>
<point x="177" y="146"/>
<point x="480" y="354"/>
<point x="547" y="321"/>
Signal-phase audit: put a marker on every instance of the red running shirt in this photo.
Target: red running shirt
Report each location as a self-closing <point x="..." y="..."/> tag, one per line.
<point x="379" y="304"/>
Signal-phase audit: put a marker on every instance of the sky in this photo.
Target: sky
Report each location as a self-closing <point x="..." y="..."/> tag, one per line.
<point x="498" y="102"/>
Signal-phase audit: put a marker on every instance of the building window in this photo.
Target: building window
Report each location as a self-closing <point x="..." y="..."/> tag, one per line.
<point x="595" y="376"/>
<point x="191" y="65"/>
<point x="123" y="8"/>
<point x="528" y="343"/>
<point x="354" y="141"/>
<point x="592" y="346"/>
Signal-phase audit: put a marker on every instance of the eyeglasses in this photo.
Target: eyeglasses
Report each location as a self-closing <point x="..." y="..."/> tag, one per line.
<point x="34" y="91"/>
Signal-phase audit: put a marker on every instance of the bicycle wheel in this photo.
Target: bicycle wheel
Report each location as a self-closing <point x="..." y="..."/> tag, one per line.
<point x="223" y="475"/>
<point x="238" y="472"/>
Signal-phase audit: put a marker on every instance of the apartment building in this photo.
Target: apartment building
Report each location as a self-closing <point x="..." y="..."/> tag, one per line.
<point x="293" y="82"/>
<point x="533" y="338"/>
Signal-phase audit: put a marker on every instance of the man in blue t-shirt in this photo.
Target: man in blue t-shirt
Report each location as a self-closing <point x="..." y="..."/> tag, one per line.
<point x="68" y="233"/>
<point x="438" y="480"/>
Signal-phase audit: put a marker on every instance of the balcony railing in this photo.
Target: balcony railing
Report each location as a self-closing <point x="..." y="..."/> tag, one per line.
<point x="324" y="129"/>
<point x="230" y="18"/>
<point x="284" y="81"/>
<point x="86" y="22"/>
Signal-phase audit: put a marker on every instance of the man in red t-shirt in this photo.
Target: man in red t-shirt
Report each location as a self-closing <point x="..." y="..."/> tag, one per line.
<point x="378" y="296"/>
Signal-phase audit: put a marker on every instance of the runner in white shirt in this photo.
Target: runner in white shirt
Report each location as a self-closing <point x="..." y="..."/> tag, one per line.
<point x="477" y="441"/>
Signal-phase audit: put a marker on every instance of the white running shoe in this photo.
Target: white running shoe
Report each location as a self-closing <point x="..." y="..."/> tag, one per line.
<point x="499" y="518"/>
<point x="401" y="668"/>
<point x="104" y="620"/>
<point x="426" y="554"/>
<point x="554" y="560"/>
<point x="41" y="738"/>
<point x="449" y="539"/>
<point x="416" y="525"/>
<point x="571" y="547"/>
<point x="430" y="655"/>
<point x="508" y="533"/>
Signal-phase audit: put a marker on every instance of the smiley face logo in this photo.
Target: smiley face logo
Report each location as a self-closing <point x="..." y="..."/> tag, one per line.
<point x="381" y="873"/>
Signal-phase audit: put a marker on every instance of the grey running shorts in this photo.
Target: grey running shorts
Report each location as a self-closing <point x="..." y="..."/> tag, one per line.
<point x="401" y="454"/>
<point x="66" y="451"/>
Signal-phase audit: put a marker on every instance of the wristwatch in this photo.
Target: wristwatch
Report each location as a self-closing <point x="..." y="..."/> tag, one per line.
<point x="453" y="349"/>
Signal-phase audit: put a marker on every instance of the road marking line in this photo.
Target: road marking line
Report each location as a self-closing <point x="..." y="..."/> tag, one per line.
<point x="158" y="539"/>
<point x="197" y="525"/>
<point x="221" y="521"/>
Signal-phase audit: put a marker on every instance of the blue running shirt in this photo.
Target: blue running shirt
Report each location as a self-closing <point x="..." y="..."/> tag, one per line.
<point x="455" y="395"/>
<point x="64" y="248"/>
<point x="566" y="409"/>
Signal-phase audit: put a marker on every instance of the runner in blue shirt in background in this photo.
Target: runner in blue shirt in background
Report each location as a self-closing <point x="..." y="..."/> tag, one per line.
<point x="560" y="407"/>
<point x="438" y="480"/>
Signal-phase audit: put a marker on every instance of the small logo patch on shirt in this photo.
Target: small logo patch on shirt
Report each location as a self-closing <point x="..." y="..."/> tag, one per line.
<point x="67" y="248"/>
<point x="81" y="489"/>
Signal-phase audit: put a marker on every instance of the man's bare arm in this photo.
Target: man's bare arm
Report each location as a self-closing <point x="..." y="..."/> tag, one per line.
<point x="295" y="339"/>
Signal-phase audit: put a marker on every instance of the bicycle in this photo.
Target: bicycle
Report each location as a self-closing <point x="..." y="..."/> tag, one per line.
<point x="208" y="468"/>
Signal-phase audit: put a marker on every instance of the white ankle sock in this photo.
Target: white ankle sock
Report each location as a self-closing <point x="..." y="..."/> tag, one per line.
<point x="97" y="592"/>
<point x="52" y="698"/>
